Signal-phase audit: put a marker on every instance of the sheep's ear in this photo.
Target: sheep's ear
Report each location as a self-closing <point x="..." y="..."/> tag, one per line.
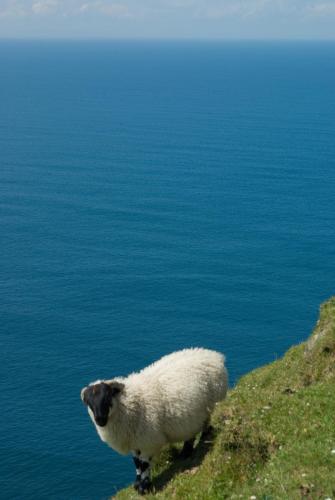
<point x="83" y="395"/>
<point x="116" y="386"/>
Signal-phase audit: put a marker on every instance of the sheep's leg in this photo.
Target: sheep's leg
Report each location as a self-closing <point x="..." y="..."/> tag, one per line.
<point x="143" y="468"/>
<point x="206" y="431"/>
<point x="145" y="482"/>
<point x="187" y="448"/>
<point x="137" y="463"/>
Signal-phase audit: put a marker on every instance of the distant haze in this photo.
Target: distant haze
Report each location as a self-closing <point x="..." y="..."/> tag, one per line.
<point x="227" y="19"/>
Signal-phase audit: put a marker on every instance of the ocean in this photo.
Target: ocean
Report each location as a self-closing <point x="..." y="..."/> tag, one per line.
<point x="154" y="196"/>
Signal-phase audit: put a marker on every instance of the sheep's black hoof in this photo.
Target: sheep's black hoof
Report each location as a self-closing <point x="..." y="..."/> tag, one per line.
<point x="144" y="486"/>
<point x="187" y="450"/>
<point x="207" y="433"/>
<point x="137" y="483"/>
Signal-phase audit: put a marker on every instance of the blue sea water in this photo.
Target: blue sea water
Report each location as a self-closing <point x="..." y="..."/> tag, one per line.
<point x="153" y="196"/>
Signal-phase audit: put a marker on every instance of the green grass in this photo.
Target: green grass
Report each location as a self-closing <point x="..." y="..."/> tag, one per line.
<point x="273" y="435"/>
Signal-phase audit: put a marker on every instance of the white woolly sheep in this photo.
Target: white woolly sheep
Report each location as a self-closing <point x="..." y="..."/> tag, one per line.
<point x="167" y="402"/>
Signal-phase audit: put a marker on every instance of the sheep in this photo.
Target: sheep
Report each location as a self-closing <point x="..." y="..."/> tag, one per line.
<point x="169" y="401"/>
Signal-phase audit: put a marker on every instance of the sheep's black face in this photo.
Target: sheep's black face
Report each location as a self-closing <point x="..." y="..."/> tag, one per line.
<point x="99" y="399"/>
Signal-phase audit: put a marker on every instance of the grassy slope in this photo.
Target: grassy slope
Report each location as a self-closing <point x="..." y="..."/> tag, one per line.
<point x="274" y="434"/>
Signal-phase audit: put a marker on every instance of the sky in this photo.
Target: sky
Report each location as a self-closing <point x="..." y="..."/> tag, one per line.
<point x="175" y="19"/>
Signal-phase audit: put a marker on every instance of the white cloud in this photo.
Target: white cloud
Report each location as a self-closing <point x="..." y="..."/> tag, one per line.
<point x="183" y="4"/>
<point x="107" y="9"/>
<point x="321" y="9"/>
<point x="19" y="8"/>
<point x="241" y="8"/>
<point x="12" y="8"/>
<point x="43" y="7"/>
<point x="244" y="9"/>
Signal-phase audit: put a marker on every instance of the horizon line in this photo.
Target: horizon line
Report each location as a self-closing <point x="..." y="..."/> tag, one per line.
<point x="163" y="39"/>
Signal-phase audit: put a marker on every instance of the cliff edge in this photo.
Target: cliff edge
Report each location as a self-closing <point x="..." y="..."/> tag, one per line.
<point x="274" y="435"/>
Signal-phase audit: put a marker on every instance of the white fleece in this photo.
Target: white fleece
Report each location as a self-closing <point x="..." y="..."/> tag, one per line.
<point x="167" y="402"/>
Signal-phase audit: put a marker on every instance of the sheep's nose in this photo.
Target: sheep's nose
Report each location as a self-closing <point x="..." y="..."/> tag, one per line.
<point x="101" y="421"/>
